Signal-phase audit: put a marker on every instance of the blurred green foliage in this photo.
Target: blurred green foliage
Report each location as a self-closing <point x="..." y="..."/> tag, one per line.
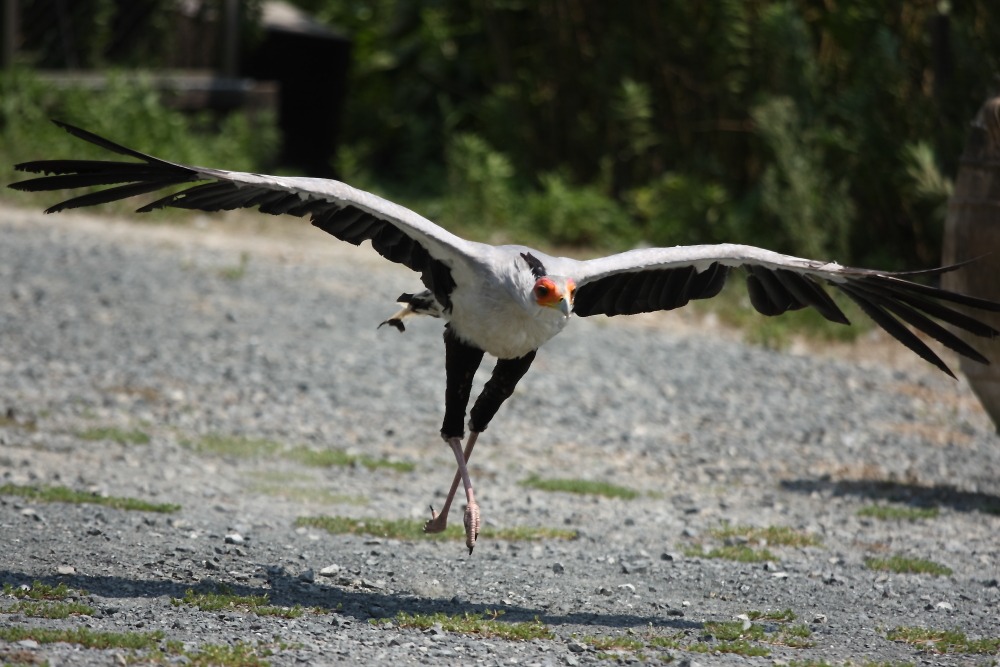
<point x="830" y="130"/>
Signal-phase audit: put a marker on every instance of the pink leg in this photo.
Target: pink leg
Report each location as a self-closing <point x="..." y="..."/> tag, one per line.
<point x="439" y="522"/>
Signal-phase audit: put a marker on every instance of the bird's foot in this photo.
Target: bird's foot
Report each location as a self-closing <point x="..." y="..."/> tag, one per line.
<point x="437" y="523"/>
<point x="471" y="520"/>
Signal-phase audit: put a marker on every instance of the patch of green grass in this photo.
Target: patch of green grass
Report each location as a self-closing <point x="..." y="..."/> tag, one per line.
<point x="224" y="655"/>
<point x="409" y="529"/>
<point x="737" y="635"/>
<point x="732" y="630"/>
<point x="783" y="616"/>
<point x="41" y="591"/>
<point x="908" y="565"/>
<point x="115" y="434"/>
<point x="231" y="445"/>
<point x="615" y="643"/>
<point x="742" y="647"/>
<point x="739" y="647"/>
<point x="896" y="513"/>
<point x="84" y="637"/>
<point x="944" y="641"/>
<point x="771" y="535"/>
<point x="224" y="598"/>
<point x="304" y="494"/>
<point x="240" y="446"/>
<point x="739" y="552"/>
<point x="327" y="458"/>
<point x="484" y="625"/>
<point x="46" y="609"/>
<point x="581" y="486"/>
<point x="665" y="642"/>
<point x="795" y="636"/>
<point x="60" y="494"/>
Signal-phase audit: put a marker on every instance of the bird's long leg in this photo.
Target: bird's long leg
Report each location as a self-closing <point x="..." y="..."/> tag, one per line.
<point x="471" y="516"/>
<point x="461" y="362"/>
<point x="439" y="520"/>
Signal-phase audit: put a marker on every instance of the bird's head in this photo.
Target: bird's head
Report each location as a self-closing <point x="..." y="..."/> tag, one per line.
<point x="555" y="292"/>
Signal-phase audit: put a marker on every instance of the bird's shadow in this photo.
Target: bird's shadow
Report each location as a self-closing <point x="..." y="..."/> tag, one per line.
<point x="916" y="495"/>
<point x="346" y="604"/>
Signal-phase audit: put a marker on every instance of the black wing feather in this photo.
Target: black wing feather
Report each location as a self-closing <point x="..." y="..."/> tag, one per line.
<point x="894" y="327"/>
<point x="647" y="291"/>
<point x="807" y="292"/>
<point x="921" y="322"/>
<point x="892" y="302"/>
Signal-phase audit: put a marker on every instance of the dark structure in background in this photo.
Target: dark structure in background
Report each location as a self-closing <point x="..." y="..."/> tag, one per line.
<point x="221" y="55"/>
<point x="309" y="61"/>
<point x="972" y="234"/>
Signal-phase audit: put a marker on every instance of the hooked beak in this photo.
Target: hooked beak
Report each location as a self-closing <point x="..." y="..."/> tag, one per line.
<point x="564" y="306"/>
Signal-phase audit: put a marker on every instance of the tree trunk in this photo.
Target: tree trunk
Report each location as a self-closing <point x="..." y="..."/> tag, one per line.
<point x="972" y="230"/>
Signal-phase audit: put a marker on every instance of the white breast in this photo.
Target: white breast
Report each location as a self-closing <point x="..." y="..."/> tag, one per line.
<point x="488" y="316"/>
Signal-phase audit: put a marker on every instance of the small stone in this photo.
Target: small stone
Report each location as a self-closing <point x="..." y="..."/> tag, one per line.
<point x="688" y="662"/>
<point x="626" y="588"/>
<point x="945" y="606"/>
<point x="27" y="643"/>
<point x="558" y="568"/>
<point x="635" y="567"/>
<point x="330" y="571"/>
<point x="577" y="647"/>
<point x="819" y="618"/>
<point x="666" y="555"/>
<point x="779" y="575"/>
<point x="235" y="538"/>
<point x="308" y="576"/>
<point x="66" y="569"/>
<point x="603" y="590"/>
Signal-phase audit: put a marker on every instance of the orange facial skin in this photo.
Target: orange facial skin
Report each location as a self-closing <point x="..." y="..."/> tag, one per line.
<point x="547" y="293"/>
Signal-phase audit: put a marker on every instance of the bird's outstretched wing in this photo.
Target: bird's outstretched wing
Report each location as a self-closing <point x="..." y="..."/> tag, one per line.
<point x="650" y="279"/>
<point x="349" y="214"/>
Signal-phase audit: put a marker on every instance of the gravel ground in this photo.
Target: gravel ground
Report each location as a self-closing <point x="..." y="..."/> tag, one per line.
<point x="230" y="328"/>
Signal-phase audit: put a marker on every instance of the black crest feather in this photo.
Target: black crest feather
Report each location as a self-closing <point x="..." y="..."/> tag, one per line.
<point x="535" y="264"/>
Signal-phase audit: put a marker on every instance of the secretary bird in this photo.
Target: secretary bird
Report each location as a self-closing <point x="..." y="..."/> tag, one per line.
<point x="509" y="300"/>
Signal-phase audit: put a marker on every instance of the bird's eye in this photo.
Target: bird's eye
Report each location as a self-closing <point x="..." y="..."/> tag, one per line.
<point x="541" y="291"/>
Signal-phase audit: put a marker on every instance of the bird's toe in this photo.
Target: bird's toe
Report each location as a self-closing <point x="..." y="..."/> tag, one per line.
<point x="437" y="523"/>
<point x="471" y="520"/>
